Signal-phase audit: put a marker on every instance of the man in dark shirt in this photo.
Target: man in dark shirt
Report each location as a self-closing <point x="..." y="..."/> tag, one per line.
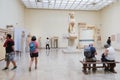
<point x="93" y="52"/>
<point x="92" y="58"/>
<point x="9" y="48"/>
<point x="109" y="41"/>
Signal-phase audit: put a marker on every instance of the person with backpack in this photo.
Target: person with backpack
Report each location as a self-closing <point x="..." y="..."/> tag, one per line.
<point x="33" y="52"/>
<point x="10" y="54"/>
<point x="89" y="53"/>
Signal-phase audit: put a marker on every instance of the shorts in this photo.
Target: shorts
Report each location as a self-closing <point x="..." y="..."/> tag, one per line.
<point x="33" y="55"/>
<point x="9" y="56"/>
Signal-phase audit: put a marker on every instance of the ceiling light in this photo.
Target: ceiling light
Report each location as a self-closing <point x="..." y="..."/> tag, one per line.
<point x="39" y="0"/>
<point x="93" y="3"/>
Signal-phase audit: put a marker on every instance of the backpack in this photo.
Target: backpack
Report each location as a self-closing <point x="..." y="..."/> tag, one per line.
<point x="32" y="47"/>
<point x="87" y="52"/>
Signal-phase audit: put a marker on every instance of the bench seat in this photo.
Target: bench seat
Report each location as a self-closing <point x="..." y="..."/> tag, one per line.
<point x="88" y="65"/>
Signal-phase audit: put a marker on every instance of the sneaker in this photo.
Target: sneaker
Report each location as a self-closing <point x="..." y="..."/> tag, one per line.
<point x="35" y="67"/>
<point x="113" y="71"/>
<point x="5" y="68"/>
<point x="30" y="69"/>
<point x="14" y="67"/>
<point x="106" y="69"/>
<point x="94" y="69"/>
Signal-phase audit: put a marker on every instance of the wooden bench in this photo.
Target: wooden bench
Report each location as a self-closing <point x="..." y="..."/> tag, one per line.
<point x="87" y="65"/>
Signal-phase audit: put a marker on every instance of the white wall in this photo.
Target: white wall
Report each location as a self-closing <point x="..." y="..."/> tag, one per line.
<point x="110" y="22"/>
<point x="11" y="13"/>
<point x="55" y="22"/>
<point x="50" y="23"/>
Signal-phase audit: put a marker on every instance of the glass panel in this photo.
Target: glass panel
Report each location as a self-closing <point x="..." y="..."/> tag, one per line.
<point x="24" y="0"/>
<point x="51" y="6"/>
<point x="73" y="4"/>
<point x="33" y="3"/>
<point x="32" y="0"/>
<point x="57" y="4"/>
<point x="78" y="0"/>
<point x="26" y="3"/>
<point x="64" y="1"/>
<point x="45" y="1"/>
<point x="45" y="4"/>
<point x="58" y="1"/>
<point x="39" y="4"/>
<point x="72" y="0"/>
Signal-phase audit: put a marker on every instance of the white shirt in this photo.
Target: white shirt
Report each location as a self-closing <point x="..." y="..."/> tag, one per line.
<point x="47" y="41"/>
<point x="111" y="53"/>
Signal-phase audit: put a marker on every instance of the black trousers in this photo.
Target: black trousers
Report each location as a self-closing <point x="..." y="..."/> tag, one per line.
<point x="110" y="66"/>
<point x="93" y="59"/>
<point x="47" y="46"/>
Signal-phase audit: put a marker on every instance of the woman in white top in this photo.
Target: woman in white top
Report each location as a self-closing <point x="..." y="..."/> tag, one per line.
<point x="110" y="57"/>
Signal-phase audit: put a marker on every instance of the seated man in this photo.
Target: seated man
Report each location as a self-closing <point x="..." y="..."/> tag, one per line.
<point x="89" y="53"/>
<point x="108" y="56"/>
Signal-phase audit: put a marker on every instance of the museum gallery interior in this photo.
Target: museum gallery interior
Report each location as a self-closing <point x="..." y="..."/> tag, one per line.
<point x="66" y="27"/>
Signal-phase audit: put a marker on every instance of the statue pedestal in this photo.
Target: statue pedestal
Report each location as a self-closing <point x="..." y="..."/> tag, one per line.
<point x="71" y="45"/>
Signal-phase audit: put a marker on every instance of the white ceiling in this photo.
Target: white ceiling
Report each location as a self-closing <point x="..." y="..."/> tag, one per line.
<point x="68" y="4"/>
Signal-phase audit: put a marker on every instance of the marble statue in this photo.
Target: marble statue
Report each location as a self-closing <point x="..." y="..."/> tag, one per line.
<point x="23" y="42"/>
<point x="72" y="36"/>
<point x="28" y="40"/>
<point x="71" y="28"/>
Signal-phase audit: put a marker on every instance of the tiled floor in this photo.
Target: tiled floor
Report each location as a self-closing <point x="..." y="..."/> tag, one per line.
<point x="55" y="65"/>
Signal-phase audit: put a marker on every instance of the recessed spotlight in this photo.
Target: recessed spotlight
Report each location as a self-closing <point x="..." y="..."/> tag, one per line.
<point x="39" y="0"/>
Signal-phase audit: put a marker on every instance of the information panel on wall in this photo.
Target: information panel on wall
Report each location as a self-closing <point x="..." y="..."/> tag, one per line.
<point x="86" y="36"/>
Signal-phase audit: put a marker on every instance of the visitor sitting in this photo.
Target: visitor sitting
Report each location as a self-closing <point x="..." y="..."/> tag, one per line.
<point x="89" y="53"/>
<point x="108" y="56"/>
